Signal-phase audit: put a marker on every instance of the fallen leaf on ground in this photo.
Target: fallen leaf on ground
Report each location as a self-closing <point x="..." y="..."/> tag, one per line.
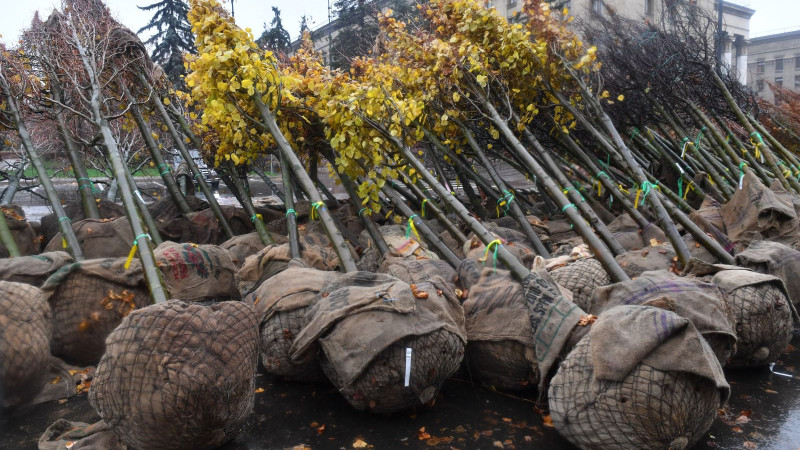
<point x="547" y="421"/>
<point x="259" y="390"/>
<point x="422" y="435"/>
<point x="749" y="444"/>
<point x="439" y="440"/>
<point x="359" y="444"/>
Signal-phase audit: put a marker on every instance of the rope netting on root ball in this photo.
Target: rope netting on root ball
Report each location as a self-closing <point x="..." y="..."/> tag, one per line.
<point x="500" y="342"/>
<point x="179" y="375"/>
<point x="89" y="299"/>
<point x="643" y="377"/>
<point x="25" y="327"/>
<point x="282" y="303"/>
<point x="386" y="345"/>
<point x="581" y="278"/>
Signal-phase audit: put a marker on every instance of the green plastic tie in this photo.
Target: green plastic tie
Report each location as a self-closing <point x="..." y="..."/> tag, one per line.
<point x="364" y="209"/>
<point x="646" y="188"/>
<point x="65" y="218"/>
<point x="572" y="188"/>
<point x="143" y="235"/>
<point x="290" y="211"/>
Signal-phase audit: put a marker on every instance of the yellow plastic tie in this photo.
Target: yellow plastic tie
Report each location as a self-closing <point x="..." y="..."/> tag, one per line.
<point x="496" y="243"/>
<point x="411" y="228"/>
<point x="689" y="187"/>
<point x="315" y="209"/>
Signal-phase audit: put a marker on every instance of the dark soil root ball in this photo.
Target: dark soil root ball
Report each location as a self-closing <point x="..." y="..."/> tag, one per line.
<point x="580" y="278"/>
<point x="507" y="365"/>
<point x="381" y="387"/>
<point x="649" y="408"/>
<point x="86" y="309"/>
<point x="25" y="327"/>
<point x="178" y="375"/>
<point x="277" y="335"/>
<point x="763" y="323"/>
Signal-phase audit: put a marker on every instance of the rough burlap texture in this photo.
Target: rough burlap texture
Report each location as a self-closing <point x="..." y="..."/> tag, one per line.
<point x="99" y="238"/>
<point x="581" y="277"/>
<point x="281" y="304"/>
<point x="413" y="270"/>
<point x="709" y="219"/>
<point x="79" y="436"/>
<point x="197" y="272"/>
<point x="33" y="269"/>
<point x="28" y="243"/>
<point x="630" y="236"/>
<point x="25" y="329"/>
<point x="637" y="262"/>
<point x="62" y="381"/>
<point x="643" y="377"/>
<point x="89" y="299"/>
<point x="179" y="375"/>
<point x="365" y="323"/>
<point x="777" y="260"/>
<point x="274" y="259"/>
<point x="399" y="240"/>
<point x="555" y="320"/>
<point x="171" y="223"/>
<point x="756" y="212"/>
<point x="248" y="244"/>
<point x="205" y="229"/>
<point x="500" y="345"/>
<point x="704" y="304"/>
<point x="108" y="210"/>
<point x="761" y="311"/>
<point x="468" y="273"/>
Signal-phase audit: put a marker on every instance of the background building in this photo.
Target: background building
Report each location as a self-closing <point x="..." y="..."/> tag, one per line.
<point x="774" y="59"/>
<point x="735" y="16"/>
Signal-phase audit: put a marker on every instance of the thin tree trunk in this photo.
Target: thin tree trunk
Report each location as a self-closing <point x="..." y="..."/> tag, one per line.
<point x="144" y="213"/>
<point x="437" y="211"/>
<point x="337" y="240"/>
<point x="155" y="153"/>
<point x="65" y="224"/>
<point x="13" y="185"/>
<point x="272" y="186"/>
<point x="291" y="215"/>
<point x="7" y="238"/>
<point x="247" y="204"/>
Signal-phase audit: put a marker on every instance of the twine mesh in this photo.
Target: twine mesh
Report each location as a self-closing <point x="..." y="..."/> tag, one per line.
<point x="763" y="324"/>
<point x="25" y="326"/>
<point x="277" y="335"/>
<point x="179" y="375"/>
<point x="85" y="310"/>
<point x="650" y="408"/>
<point x="381" y="387"/>
<point x="580" y="278"/>
<point x="507" y="365"/>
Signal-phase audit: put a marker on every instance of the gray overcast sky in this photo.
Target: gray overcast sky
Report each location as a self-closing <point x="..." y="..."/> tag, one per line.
<point x="771" y="15"/>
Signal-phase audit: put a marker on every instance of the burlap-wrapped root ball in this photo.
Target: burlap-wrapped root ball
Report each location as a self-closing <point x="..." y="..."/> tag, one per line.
<point x="25" y="327"/>
<point x="500" y="341"/>
<point x="89" y="299"/>
<point x="642" y="378"/>
<point x="386" y="345"/>
<point x="580" y="278"/>
<point x="178" y="375"/>
<point x="761" y="314"/>
<point x="281" y="304"/>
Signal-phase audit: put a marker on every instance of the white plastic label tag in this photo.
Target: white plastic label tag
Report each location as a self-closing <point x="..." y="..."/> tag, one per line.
<point x="408" y="366"/>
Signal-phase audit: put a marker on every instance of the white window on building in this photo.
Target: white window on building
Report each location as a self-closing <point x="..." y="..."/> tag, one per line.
<point x="779" y="64"/>
<point x="649" y="7"/>
<point x="512" y="3"/>
<point x="797" y="62"/>
<point x="779" y="81"/>
<point x="759" y="67"/>
<point x="797" y="81"/>
<point x="597" y="6"/>
<point x="759" y="85"/>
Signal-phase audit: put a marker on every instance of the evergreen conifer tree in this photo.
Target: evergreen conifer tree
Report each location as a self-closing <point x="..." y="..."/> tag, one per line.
<point x="275" y="38"/>
<point x="173" y="36"/>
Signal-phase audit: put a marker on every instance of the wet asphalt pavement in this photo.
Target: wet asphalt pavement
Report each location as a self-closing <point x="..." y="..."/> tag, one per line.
<point x="764" y="412"/>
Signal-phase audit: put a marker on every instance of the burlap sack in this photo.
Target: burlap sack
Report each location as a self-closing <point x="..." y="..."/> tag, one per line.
<point x="373" y="329"/>
<point x="248" y="244"/>
<point x="197" y="272"/>
<point x="756" y="212"/>
<point x="630" y="236"/>
<point x="514" y="241"/>
<point x="34" y="269"/>
<point x="416" y="270"/>
<point x="89" y="299"/>
<point x="99" y="238"/>
<point x="274" y="259"/>
<point x="63" y="434"/>
<point x="704" y="304"/>
<point x="25" y="328"/>
<point x="500" y="347"/>
<point x="171" y="223"/>
<point x="637" y="262"/>
<point x="28" y="243"/>
<point x="777" y="260"/>
<point x="205" y="228"/>
<point x="762" y="316"/>
<point x="642" y="378"/>
<point x="63" y="380"/>
<point x="560" y="229"/>
<point x="581" y="277"/>
<point x="406" y="244"/>
<point x="281" y="304"/>
<point x="709" y="213"/>
<point x="178" y="375"/>
<point x="74" y="210"/>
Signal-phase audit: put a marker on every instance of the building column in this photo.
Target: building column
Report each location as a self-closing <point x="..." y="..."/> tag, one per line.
<point x="741" y="59"/>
